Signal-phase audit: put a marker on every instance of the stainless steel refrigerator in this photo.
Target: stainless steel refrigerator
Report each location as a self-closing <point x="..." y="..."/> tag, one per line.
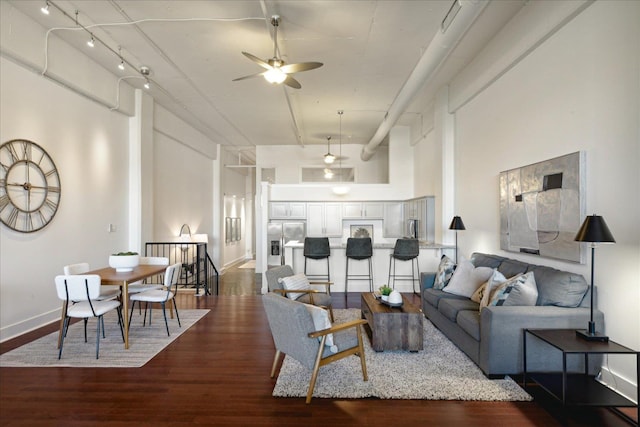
<point x="279" y="234"/>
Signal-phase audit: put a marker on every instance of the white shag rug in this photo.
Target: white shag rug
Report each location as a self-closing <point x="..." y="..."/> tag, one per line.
<point x="439" y="372"/>
<point x="144" y="343"/>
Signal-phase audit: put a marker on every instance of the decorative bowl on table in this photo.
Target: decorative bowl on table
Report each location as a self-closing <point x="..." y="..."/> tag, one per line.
<point x="124" y="261"/>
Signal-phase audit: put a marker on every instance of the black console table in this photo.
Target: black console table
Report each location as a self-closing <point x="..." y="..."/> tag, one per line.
<point x="578" y="388"/>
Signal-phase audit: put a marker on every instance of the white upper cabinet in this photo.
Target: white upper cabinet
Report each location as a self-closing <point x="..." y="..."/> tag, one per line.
<point x="324" y="219"/>
<point x="393" y="224"/>
<point x="287" y="210"/>
<point x="357" y="210"/>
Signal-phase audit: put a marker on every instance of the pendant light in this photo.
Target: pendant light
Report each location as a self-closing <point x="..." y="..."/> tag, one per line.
<point x="340" y="189"/>
<point x="329" y="158"/>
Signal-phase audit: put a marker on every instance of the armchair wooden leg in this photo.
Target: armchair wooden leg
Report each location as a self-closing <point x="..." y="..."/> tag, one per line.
<point x="331" y="314"/>
<point x="275" y="363"/>
<point x="363" y="363"/>
<point x="316" y="369"/>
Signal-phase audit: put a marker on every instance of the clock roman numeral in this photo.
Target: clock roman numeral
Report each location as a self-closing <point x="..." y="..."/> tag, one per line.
<point x="26" y="150"/>
<point x="4" y="201"/>
<point x="12" y="219"/>
<point x="13" y="153"/>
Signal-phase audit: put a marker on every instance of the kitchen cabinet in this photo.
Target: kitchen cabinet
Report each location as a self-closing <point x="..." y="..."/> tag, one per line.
<point x="358" y="210"/>
<point x="287" y="210"/>
<point x="393" y="219"/>
<point x="324" y="219"/>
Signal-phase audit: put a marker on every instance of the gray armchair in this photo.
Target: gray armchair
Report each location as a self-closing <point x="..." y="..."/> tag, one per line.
<point x="294" y="334"/>
<point x="311" y="296"/>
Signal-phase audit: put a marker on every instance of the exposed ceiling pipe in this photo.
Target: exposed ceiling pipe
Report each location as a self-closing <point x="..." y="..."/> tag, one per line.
<point x="466" y="11"/>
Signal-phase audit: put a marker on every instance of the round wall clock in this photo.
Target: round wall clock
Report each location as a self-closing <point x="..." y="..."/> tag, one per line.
<point x="29" y="186"/>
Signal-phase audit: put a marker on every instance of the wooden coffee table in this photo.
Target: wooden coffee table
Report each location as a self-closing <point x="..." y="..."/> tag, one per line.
<point x="391" y="328"/>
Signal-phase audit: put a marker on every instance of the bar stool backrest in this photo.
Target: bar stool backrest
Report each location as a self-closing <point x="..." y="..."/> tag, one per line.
<point x="316" y="247"/>
<point x="406" y="249"/>
<point x="359" y="248"/>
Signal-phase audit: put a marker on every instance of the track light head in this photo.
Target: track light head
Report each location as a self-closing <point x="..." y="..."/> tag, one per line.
<point x="121" y="65"/>
<point x="91" y="42"/>
<point x="45" y="9"/>
<point x="147" y="85"/>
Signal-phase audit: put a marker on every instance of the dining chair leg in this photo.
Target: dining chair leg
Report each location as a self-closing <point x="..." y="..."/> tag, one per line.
<point x="121" y="322"/>
<point x="85" y="329"/>
<point x="166" y="323"/>
<point x="100" y="322"/>
<point x="133" y="304"/>
<point x="64" y="334"/>
<point x="173" y="302"/>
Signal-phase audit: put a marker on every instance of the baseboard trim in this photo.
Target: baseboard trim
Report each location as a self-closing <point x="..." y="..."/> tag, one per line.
<point x="618" y="384"/>
<point x="28" y="325"/>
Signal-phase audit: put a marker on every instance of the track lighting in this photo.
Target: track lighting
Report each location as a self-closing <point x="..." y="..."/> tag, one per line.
<point x="91" y="42"/>
<point x="45" y="9"/>
<point x="147" y="85"/>
<point x="121" y="65"/>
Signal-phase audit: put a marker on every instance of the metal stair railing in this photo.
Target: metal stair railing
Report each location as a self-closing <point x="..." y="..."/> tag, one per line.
<point x="198" y="270"/>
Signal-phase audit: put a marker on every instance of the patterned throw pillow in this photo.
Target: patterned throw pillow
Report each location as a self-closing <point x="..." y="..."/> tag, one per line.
<point x="297" y="282"/>
<point x="479" y="293"/>
<point x="496" y="279"/>
<point x="321" y="321"/>
<point x="519" y="290"/>
<point x="444" y="273"/>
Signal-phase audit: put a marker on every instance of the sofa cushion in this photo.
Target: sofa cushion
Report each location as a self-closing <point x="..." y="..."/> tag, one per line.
<point x="444" y="273"/>
<point x="469" y="321"/>
<point x="467" y="278"/>
<point x="559" y="288"/>
<point x="450" y="307"/>
<point x="297" y="282"/>
<point x="486" y="260"/>
<point x="512" y="267"/>
<point x="518" y="291"/>
<point x="433" y="296"/>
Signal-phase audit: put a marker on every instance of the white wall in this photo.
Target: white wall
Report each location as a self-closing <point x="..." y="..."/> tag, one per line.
<point x="578" y="90"/>
<point x="89" y="145"/>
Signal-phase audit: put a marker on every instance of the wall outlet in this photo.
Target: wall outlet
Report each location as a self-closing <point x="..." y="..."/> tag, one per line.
<point x="112" y="228"/>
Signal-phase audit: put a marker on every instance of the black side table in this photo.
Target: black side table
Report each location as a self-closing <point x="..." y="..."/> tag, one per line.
<point x="579" y="389"/>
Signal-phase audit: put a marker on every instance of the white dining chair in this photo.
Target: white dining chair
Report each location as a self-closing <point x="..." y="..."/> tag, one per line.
<point x="138" y="287"/>
<point x="79" y="292"/>
<point x="107" y="292"/>
<point x="160" y="296"/>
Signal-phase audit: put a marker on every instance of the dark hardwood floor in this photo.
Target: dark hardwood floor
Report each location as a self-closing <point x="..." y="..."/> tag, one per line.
<point x="217" y="374"/>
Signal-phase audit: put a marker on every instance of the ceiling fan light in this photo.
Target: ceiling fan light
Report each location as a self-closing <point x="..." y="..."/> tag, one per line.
<point x="328" y="173"/>
<point x="275" y="76"/>
<point x="329" y="158"/>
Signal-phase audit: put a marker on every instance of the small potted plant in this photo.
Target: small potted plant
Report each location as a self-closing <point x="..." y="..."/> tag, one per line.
<point x="124" y="261"/>
<point x="384" y="292"/>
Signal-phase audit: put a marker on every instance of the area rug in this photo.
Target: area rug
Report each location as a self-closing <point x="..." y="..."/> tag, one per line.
<point x="249" y="264"/>
<point x="439" y="372"/>
<point x="144" y="343"/>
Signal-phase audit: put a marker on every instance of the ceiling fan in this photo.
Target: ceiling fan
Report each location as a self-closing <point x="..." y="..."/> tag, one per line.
<point x="277" y="71"/>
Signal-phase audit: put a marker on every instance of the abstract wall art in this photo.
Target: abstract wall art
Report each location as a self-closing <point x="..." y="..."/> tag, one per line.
<point x="541" y="208"/>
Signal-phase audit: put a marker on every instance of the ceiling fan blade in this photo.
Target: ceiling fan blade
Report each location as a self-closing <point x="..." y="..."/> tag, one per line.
<point x="257" y="60"/>
<point x="291" y="82"/>
<point x="301" y="66"/>
<point x="249" y="76"/>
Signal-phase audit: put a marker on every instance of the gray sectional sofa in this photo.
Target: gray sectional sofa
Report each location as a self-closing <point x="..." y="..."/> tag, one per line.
<point x="493" y="337"/>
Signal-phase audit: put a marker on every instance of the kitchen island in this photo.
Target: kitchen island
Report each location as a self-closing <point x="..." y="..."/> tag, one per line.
<point x="428" y="260"/>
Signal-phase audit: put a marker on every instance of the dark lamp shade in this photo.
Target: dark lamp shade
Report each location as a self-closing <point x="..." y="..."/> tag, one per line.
<point x="456" y="224"/>
<point x="595" y="230"/>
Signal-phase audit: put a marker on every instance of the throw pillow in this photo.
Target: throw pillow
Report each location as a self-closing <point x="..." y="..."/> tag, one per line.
<point x="496" y="279"/>
<point x="466" y="278"/>
<point x="519" y="290"/>
<point x="298" y="282"/>
<point x="444" y="273"/>
<point x="321" y="321"/>
<point x="479" y="293"/>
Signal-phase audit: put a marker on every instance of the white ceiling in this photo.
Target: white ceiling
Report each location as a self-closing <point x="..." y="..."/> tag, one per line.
<point x="368" y="48"/>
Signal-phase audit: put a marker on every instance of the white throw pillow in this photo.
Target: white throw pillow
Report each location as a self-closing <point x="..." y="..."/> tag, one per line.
<point x="298" y="282"/>
<point x="467" y="279"/>
<point x="321" y="321"/>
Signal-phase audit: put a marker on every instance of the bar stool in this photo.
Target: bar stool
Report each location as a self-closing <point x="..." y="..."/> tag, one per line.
<point x="316" y="248"/>
<point x="359" y="248"/>
<point x="405" y="250"/>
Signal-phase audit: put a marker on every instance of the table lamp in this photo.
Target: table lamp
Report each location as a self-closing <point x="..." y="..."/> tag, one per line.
<point x="593" y="230"/>
<point x="456" y="224"/>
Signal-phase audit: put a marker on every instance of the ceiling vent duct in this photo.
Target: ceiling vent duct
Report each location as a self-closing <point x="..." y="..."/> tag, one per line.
<point x="465" y="13"/>
<point x="455" y="8"/>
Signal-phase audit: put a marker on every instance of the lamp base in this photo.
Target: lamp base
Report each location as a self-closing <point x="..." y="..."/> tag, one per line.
<point x="595" y="336"/>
